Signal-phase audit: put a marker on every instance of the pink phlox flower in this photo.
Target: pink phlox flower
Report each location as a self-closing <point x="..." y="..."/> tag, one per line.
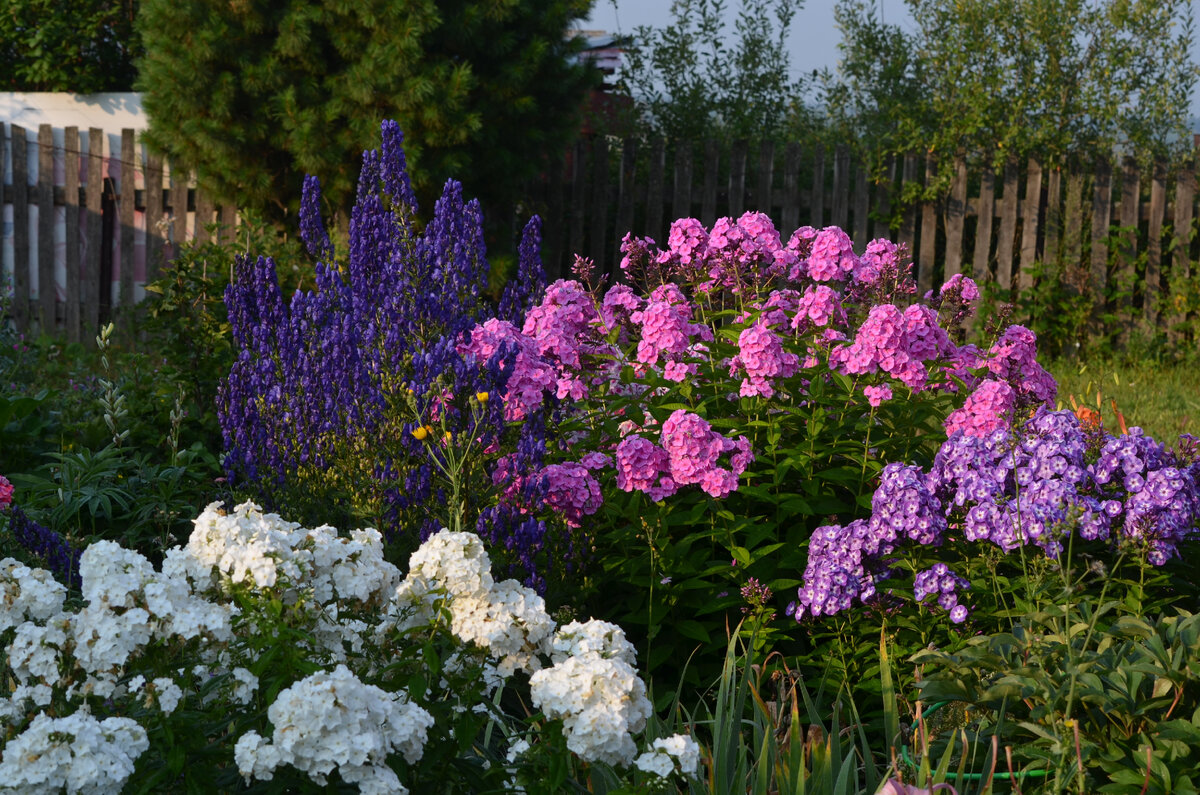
<point x="880" y="257"/>
<point x="510" y="478"/>
<point x="571" y="490"/>
<point x="687" y="241"/>
<point x="876" y="394"/>
<point x="6" y="493"/>
<point x="643" y="466"/>
<point x="832" y="257"/>
<point x="743" y="455"/>
<point x="666" y="324"/>
<point x="531" y="377"/>
<point x="925" y="339"/>
<point x="561" y="324"/>
<point x="762" y="250"/>
<point x="965" y="287"/>
<point x="986" y="410"/>
<point x="762" y="358"/>
<point x="595" y="460"/>
<point x="1014" y="359"/>
<point x="820" y="304"/>
<point x="678" y="371"/>
<point x="800" y="243"/>
<point x="693" y="450"/>
<point x="779" y="305"/>
<point x="638" y="253"/>
<point x="618" y="304"/>
<point x="877" y="343"/>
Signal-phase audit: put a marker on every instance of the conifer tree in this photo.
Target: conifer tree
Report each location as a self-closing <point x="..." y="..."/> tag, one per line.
<point x="253" y="94"/>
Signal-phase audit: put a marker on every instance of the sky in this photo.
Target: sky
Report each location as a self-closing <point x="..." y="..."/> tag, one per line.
<point x="814" y="38"/>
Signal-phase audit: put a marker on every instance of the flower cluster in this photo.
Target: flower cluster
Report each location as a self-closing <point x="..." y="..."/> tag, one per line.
<point x="342" y="717"/>
<point x="1031" y="485"/>
<point x="594" y="689"/>
<point x="332" y="721"/>
<point x="75" y="753"/>
<point x="6" y="493"/>
<point x="944" y="584"/>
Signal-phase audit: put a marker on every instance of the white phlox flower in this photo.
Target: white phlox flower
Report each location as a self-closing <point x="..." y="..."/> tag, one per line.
<point x="678" y="753"/>
<point x="27" y="594"/>
<point x="245" y="684"/>
<point x="452" y="571"/>
<point x="167" y="693"/>
<point x="331" y="720"/>
<point x="36" y="652"/>
<point x="76" y="753"/>
<point x="600" y="700"/>
<point x="593" y="636"/>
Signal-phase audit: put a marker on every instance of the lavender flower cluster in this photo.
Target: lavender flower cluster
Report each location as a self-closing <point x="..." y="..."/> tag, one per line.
<point x="1028" y="486"/>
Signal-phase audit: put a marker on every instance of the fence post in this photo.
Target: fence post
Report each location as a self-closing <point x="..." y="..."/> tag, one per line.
<point x="840" y="203"/>
<point x="1158" y="207"/>
<point x="20" y="212"/>
<point x="47" y="289"/>
<point x="93" y="235"/>
<point x="908" y="224"/>
<point x="861" y="202"/>
<point x="956" y="210"/>
<point x="981" y="264"/>
<point x="1127" y="252"/>
<point x="599" y="243"/>
<point x="1185" y="194"/>
<point x="654" y="191"/>
<point x="791" y="189"/>
<point x="929" y="214"/>
<point x="712" y="171"/>
<point x="125" y="207"/>
<point x="71" y="217"/>
<point x="1101" y="215"/>
<point x="737" y="179"/>
<point x="1029" y="223"/>
<point x="1008" y="226"/>
<point x="766" y="178"/>
<point x="681" y="204"/>
<point x="816" y="196"/>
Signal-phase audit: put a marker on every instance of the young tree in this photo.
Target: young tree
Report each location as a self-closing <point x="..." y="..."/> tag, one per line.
<point x="253" y="94"/>
<point x="692" y="79"/>
<point x="1000" y="77"/>
<point x="84" y="46"/>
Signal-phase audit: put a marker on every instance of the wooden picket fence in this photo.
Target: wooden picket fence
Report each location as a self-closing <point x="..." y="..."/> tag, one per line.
<point x="1107" y="224"/>
<point x="115" y="203"/>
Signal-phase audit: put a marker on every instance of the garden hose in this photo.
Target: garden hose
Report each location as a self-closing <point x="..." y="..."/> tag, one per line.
<point x="1021" y="776"/>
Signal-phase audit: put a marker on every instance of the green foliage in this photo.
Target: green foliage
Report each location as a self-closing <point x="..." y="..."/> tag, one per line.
<point x="86" y="46"/>
<point x="693" y="79"/>
<point x="186" y="321"/>
<point x="143" y="497"/>
<point x="1003" y="78"/>
<point x="255" y="94"/>
<point x="1102" y="701"/>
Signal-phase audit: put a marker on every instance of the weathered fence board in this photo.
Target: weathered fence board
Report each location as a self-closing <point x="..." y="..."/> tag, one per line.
<point x="47" y="294"/>
<point x="981" y="261"/>
<point x="956" y="213"/>
<point x="1029" y="223"/>
<point x="928" y="250"/>
<point x="71" y="227"/>
<point x="125" y="204"/>
<point x="20" y="205"/>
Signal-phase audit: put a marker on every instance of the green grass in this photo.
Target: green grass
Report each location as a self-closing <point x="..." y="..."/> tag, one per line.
<point x="1163" y="399"/>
